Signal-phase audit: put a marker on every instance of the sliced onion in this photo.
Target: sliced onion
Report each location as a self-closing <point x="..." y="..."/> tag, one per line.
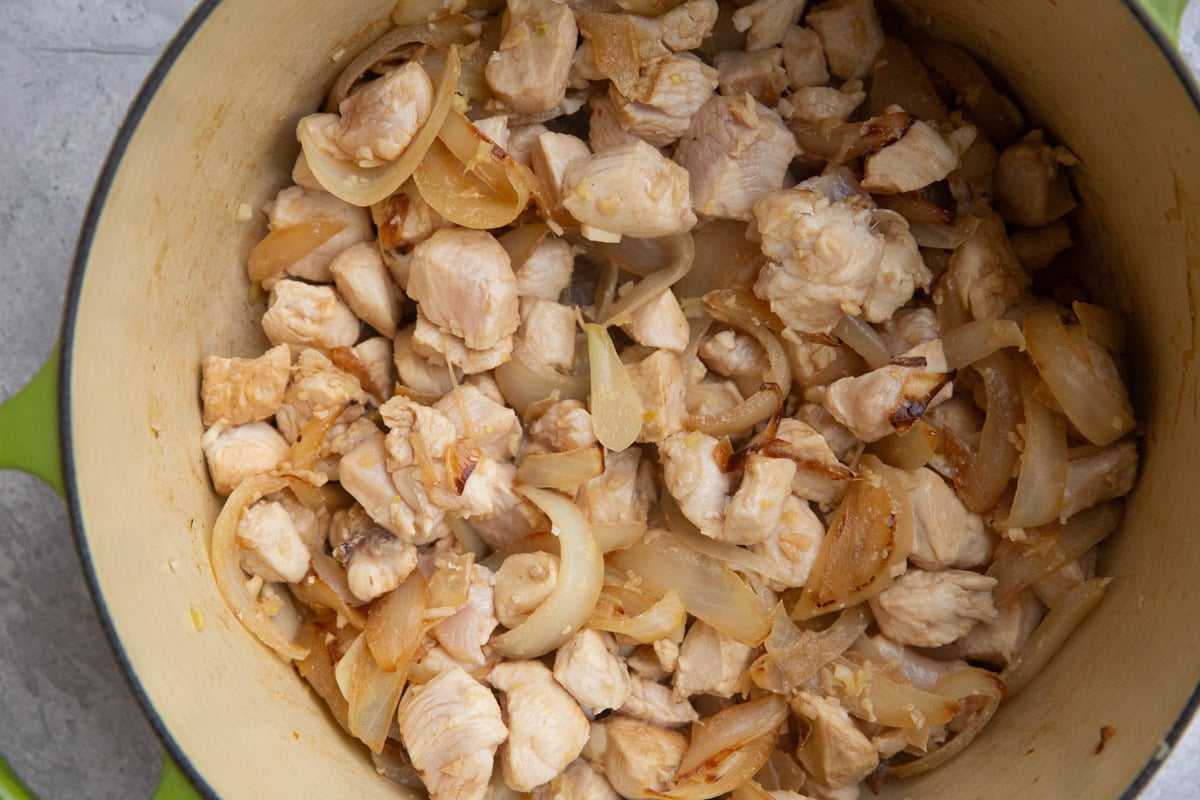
<point x="365" y="186"/>
<point x="900" y="79"/>
<point x="283" y="247"/>
<point x="711" y="591"/>
<point x="344" y="359"/>
<point x="862" y="339"/>
<point x="1104" y="327"/>
<point x="524" y="379"/>
<point x="959" y="687"/>
<point x="874" y="697"/>
<point x="580" y="578"/>
<point x="793" y="656"/>
<point x="656" y="622"/>
<point x="996" y="114"/>
<point x="728" y="770"/>
<point x="467" y="537"/>
<point x="617" y="535"/>
<point x="943" y="237"/>
<point x="372" y="694"/>
<point x="1060" y="623"/>
<point x="562" y="471"/>
<point x="304" y="453"/>
<point x="327" y="588"/>
<point x="981" y="477"/>
<point x="1080" y="375"/>
<point x="756" y="408"/>
<point x="1043" y="476"/>
<point x="394" y="624"/>
<point x="615" y="48"/>
<point x="978" y="339"/>
<point x="850" y="140"/>
<point x="869" y="538"/>
<point x="449" y="587"/>
<point x="614" y="402"/>
<point x="317" y="667"/>
<point x="472" y="80"/>
<point x="910" y="450"/>
<point x="742" y="310"/>
<point x="916" y="208"/>
<point x="737" y="557"/>
<point x="521" y="241"/>
<point x="729" y="729"/>
<point x="725" y="259"/>
<point x="679" y="251"/>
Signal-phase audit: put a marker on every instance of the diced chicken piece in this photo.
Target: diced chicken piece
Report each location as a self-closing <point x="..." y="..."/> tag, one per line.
<point x="657" y="704"/>
<point x="667" y="653"/>
<point x="659" y="322"/>
<point x="433" y="343"/>
<point x="758" y="73"/>
<point x="792" y="546"/>
<point x="311" y="526"/>
<point x="465" y="285"/>
<point x="522" y="139"/>
<point x="379" y="363"/>
<point x="816" y="359"/>
<point x="376" y="560"/>
<point x="1032" y="187"/>
<point x="523" y="581"/>
<point x="528" y="73"/>
<point x="637" y="757"/>
<point x="920" y="670"/>
<point x="820" y="476"/>
<point x="270" y="545"/>
<point x="404" y="219"/>
<point x="343" y="438"/>
<point x="317" y="388"/>
<point x="659" y="383"/>
<point x="711" y="663"/>
<point x="766" y="22"/>
<point x="494" y="128"/>
<point x="296" y="204"/>
<point x="945" y="533"/>
<point x="686" y="25"/>
<point x="804" y="58"/>
<point x="451" y="727"/>
<point x="513" y="517"/>
<point x="757" y="506"/>
<point x="623" y="492"/>
<point x="1051" y="587"/>
<point x="917" y="159"/>
<point x="364" y="284"/>
<point x="379" y="120"/>
<point x="464" y="633"/>
<point x="241" y="390"/>
<point x="236" y="453"/>
<point x="712" y="396"/>
<point x="825" y="104"/>
<point x="735" y="355"/>
<point x="835" y="752"/>
<point x="823" y="257"/>
<point x="736" y="152"/>
<point x="492" y="427"/>
<point x="546" y="729"/>
<point x="901" y="270"/>
<point x="851" y="35"/>
<point x="302" y="315"/>
<point x="908" y="328"/>
<point x="589" y="667"/>
<point x="548" y="329"/>
<point x="930" y="609"/>
<point x="998" y="642"/>
<point x="416" y="373"/>
<point x="694" y="478"/>
<point x="1098" y="474"/>
<point x="837" y="436"/>
<point x="666" y="96"/>
<point x="644" y="662"/>
<point x="565" y="425"/>
<point x="989" y="276"/>
<point x="890" y="398"/>
<point x="604" y="129"/>
<point x="364" y="474"/>
<point x="579" y="781"/>
<point x="550" y="157"/>
<point x="630" y="190"/>
<point x="1036" y="248"/>
<point x="547" y="271"/>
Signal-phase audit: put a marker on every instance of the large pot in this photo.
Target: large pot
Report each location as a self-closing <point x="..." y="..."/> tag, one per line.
<point x="159" y="281"/>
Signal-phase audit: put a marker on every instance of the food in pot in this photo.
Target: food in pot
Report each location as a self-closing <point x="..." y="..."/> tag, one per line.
<point x="667" y="400"/>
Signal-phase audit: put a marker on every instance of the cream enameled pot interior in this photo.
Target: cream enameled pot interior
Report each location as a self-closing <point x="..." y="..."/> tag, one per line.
<point x="165" y="284"/>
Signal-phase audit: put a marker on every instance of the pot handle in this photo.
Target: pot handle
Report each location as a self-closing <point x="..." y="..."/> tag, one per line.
<point x="1167" y="13"/>
<point x="29" y="443"/>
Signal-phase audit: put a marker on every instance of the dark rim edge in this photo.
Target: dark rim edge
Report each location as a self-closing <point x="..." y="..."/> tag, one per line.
<point x="87" y="231"/>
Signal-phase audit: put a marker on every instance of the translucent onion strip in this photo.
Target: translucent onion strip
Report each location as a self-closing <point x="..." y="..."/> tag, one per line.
<point x="365" y="186"/>
<point x="523" y="380"/>
<point x="283" y="247"/>
<point x="981" y="477"/>
<point x="1043" y="476"/>
<point x="656" y="622"/>
<point x="562" y="471"/>
<point x="862" y="339"/>
<point x="793" y="656"/>
<point x="730" y="728"/>
<point x="736" y="557"/>
<point x="1104" y="327"/>
<point x="317" y="666"/>
<point x="874" y="697"/>
<point x="756" y="408"/>
<point x="372" y="694"/>
<point x="910" y="450"/>
<point x="1060" y="623"/>
<point x="679" y="250"/>
<point x="394" y="624"/>
<point x="614" y="402"/>
<point x="725" y="772"/>
<point x="580" y="578"/>
<point x="742" y="310"/>
<point x="959" y="687"/>
<point x="725" y="259"/>
<point x="976" y="340"/>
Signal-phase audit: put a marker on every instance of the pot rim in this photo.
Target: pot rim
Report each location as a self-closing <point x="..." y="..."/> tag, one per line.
<point x="112" y="164"/>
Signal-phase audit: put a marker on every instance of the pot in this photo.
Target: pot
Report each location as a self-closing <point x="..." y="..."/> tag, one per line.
<point x="159" y="281"/>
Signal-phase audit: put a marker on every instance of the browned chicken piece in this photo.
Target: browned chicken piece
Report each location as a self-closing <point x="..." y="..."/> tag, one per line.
<point x="523" y="581"/>
<point x="997" y="643"/>
<point x="659" y="383"/>
<point x="766" y="22"/>
<point x="376" y="560"/>
<point x="824" y="104"/>
<point x="889" y="399"/>
<point x="694" y="478"/>
<point x="548" y="329"/>
<point x="1095" y="474"/>
<point x="295" y="205"/>
<point x="546" y="729"/>
<point x="791" y="548"/>
<point x="623" y="493"/>
<point x="241" y="390"/>
<point x="366" y="287"/>
<point x="821" y="477"/>
<point x="711" y="663"/>
<point x="735" y="355"/>
<point x="421" y="375"/>
<point x="712" y="395"/>
<point x="851" y="34"/>
<point x="736" y="152"/>
<point x="565" y="425"/>
<point x="451" y="727"/>
<point x="1036" y="248"/>
<point x="550" y="157"/>
<point x="270" y="545"/>
<point x="758" y="73"/>
<point x="665" y="97"/>
<point x="1051" y="587"/>
<point x="513" y="517"/>
<point x="901" y="270"/>
<point x="318" y="387"/>
<point x="757" y="506"/>
<point x="522" y="139"/>
<point x="656" y="704"/>
<point x="604" y="127"/>
<point x="920" y="157"/>
<point x="528" y="73"/>
<point x="491" y="426"/>
<point x="989" y="276"/>
<point x="364" y="475"/>
<point x="301" y="315"/>
<point x="547" y="271"/>
<point x="630" y="190"/>
<point x="579" y="781"/>
<point x="930" y="609"/>
<point x="464" y="633"/>
<point x="636" y="756"/>
<point x="1032" y="187"/>
<point x="804" y="58"/>
<point x="908" y="328"/>
<point x="659" y="322"/>
<point x="465" y="285"/>
<point x="837" y="436"/>
<point x="945" y="533"/>
<point x="919" y="670"/>
<point x="588" y="665"/>
<point x="835" y="752"/>
<point x="823" y="257"/>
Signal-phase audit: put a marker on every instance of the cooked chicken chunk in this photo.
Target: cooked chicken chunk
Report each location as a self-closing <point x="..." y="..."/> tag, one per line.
<point x="528" y="73"/>
<point x="908" y="328"/>
<point x="365" y="285"/>
<point x="548" y="329"/>
<point x="547" y="271"/>
<point x="989" y="276"/>
<point x="364" y="474"/>
<point x="579" y="781"/>
<point x="997" y="642"/>
<point x="296" y="204"/>
<point x="629" y="190"/>
<point x="824" y="105"/>
<point x="1098" y="474"/>
<point x="1036" y="248"/>
<point x="711" y="663"/>
<point x="623" y="493"/>
<point x="378" y="121"/>
<point x="736" y="152"/>
<point x="757" y="506"/>
<point x="791" y="548"/>
<point x="431" y="342"/>
<point x="302" y="315"/>
<point x="464" y="633"/>
<point x="1032" y="187"/>
<point x="491" y="426"/>
<point x="804" y="58"/>
<point x="637" y="757"/>
<point x="546" y="729"/>
<point x="666" y="96"/>
<point x="378" y="361"/>
<point x="694" y="478"/>
<point x="658" y="380"/>
<point x="523" y="581"/>
<point x="851" y="34"/>
<point x="901" y="270"/>
<point x="820" y="476"/>
<point x="758" y="73"/>
<point x="404" y="219"/>
<point x="945" y="533"/>
<point x="837" y="436"/>
<point x="735" y="355"/>
<point x="659" y="322"/>
<point x="376" y="562"/>
<point x="451" y="727"/>
<point x="890" y="398"/>
<point x="712" y="395"/>
<point x="604" y="129"/>
<point x="589" y="667"/>
<point x="686" y="25"/>
<point x="919" y="158"/>
<point x="236" y="453"/>
<point x="550" y="157"/>
<point x="513" y="517"/>
<point x="270" y="544"/>
<point x="930" y="609"/>
<point x="495" y="129"/>
<point x="766" y="22"/>
<point x="565" y="425"/>
<point x="241" y="390"/>
<point x="318" y="388"/>
<point x="835" y="752"/>
<point x="416" y="373"/>
<point x="657" y="704"/>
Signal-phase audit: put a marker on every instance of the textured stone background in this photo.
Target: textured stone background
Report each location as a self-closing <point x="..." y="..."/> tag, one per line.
<point x="68" y="722"/>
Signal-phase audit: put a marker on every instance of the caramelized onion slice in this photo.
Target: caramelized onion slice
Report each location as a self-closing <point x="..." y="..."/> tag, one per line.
<point x="794" y="656"/>
<point x="850" y="140"/>
<point x="860" y="337"/>
<point x="318" y="669"/>
<point x="910" y="450"/>
<point x="981" y="477"/>
<point x="725" y="772"/>
<point x="996" y="113"/>
<point x="729" y="729"/>
<point x="614" y="402"/>
<point x="1043" y="476"/>
<point x="959" y="687"/>
<point x="283" y="247"/>
<point x="725" y="259"/>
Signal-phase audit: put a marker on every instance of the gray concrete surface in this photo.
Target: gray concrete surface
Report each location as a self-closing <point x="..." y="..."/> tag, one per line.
<point x="68" y="721"/>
